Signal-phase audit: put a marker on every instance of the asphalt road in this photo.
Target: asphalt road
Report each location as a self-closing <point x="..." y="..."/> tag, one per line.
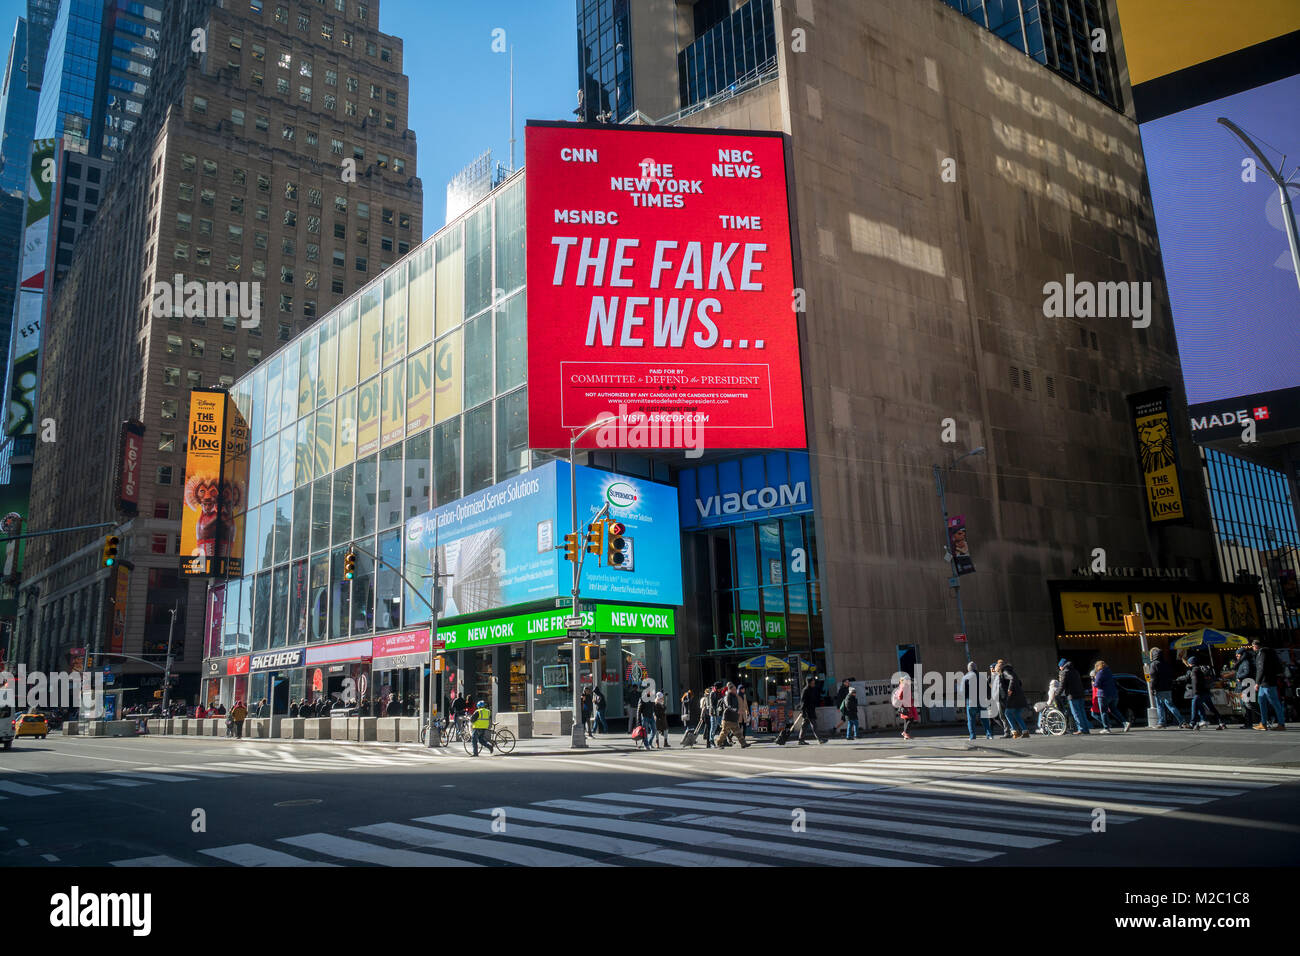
<point x="1139" y="799"/>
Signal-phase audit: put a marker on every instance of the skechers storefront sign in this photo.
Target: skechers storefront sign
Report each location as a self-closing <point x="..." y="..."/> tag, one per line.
<point x="606" y="619"/>
<point x="747" y="489"/>
<point x="276" y="660"/>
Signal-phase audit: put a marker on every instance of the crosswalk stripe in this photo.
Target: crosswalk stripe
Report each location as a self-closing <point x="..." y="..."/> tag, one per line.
<point x="496" y="848"/>
<point x="127" y="783"/>
<point x="77" y="786"/>
<point x="684" y="858"/>
<point x="588" y="806"/>
<point x="24" y="790"/>
<point x="151" y="861"/>
<point x="1189" y="779"/>
<point x="602" y="843"/>
<point x="362" y="852"/>
<point x="1211" y="793"/>
<point x="638" y="767"/>
<point x="895" y="825"/>
<point x="1087" y="791"/>
<point x="838" y="836"/>
<point x="250" y="854"/>
<point x="1243" y="769"/>
<point x="152" y="775"/>
<point x="699" y="837"/>
<point x="668" y="801"/>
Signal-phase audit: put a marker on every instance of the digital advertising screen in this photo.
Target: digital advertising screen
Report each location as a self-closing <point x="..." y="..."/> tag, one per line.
<point x="660" y="289"/>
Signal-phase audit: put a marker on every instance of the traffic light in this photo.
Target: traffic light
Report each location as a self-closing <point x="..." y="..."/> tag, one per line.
<point x="110" y="550"/>
<point x="618" y="549"/>
<point x="349" y="565"/>
<point x="590" y="653"/>
<point x="573" y="547"/>
<point x="1131" y="625"/>
<point x="596" y="539"/>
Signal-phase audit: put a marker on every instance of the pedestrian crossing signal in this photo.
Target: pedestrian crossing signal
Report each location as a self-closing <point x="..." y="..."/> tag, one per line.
<point x="350" y="565"/>
<point x="110" y="550"/>
<point x="618" y="549"/>
<point x="1132" y="624"/>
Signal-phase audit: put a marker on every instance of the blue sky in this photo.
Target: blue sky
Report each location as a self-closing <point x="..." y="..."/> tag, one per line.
<point x="459" y="87"/>
<point x="1235" y="299"/>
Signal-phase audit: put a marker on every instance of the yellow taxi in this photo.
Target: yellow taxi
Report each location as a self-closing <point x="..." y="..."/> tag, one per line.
<point x="31" y="725"/>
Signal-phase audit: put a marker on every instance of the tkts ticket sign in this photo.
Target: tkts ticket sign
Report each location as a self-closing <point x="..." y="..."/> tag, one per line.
<point x="660" y="289"/>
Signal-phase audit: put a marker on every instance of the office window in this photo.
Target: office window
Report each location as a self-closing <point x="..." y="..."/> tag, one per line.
<point x="170" y="408"/>
<point x="363" y="210"/>
<point x="188" y="162"/>
<point x="236" y="117"/>
<point x="183" y="220"/>
<point x="182" y="250"/>
<point x="290" y="217"/>
<point x="196" y="348"/>
<point x="290" y="190"/>
<point x="313" y="197"/>
<point x="174" y="345"/>
<point x="205" y="227"/>
<point x="185" y="192"/>
<point x="166" y="441"/>
<point x="331" y="102"/>
<point x="254" y="356"/>
<point x="228" y="353"/>
<point x="361" y="263"/>
<point x="200" y="104"/>
<point x="313" y="252"/>
<point x="171" y="376"/>
<point x="304" y="93"/>
<point x="262" y="123"/>
<point x="193" y="378"/>
<point x="313" y="224"/>
<point x="233" y="263"/>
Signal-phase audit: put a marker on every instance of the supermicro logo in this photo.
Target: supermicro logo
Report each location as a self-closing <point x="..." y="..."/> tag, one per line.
<point x="621" y="495"/>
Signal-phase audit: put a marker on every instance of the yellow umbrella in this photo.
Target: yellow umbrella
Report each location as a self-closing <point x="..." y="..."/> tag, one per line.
<point x="805" y="666"/>
<point x="765" y="662"/>
<point x="1210" y="638"/>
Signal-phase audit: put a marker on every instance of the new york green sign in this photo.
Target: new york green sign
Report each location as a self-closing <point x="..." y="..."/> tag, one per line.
<point x="605" y="619"/>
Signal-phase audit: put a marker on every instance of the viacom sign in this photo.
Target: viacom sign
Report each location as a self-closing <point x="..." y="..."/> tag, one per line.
<point x="745" y="489"/>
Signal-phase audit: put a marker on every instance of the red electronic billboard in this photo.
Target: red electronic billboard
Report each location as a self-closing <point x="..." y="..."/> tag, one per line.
<point x="660" y="288"/>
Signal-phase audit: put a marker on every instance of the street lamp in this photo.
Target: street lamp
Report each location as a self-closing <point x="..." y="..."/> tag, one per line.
<point x="1288" y="217"/>
<point x="955" y="580"/>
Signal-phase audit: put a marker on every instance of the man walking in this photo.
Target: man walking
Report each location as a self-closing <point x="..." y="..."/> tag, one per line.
<point x="598" y="712"/>
<point x="237" y="715"/>
<point x="480" y="721"/>
<point x="970" y="692"/>
<point x="1162" y="685"/>
<point x="1075" y="695"/>
<point x="1107" y="697"/>
<point x="1268" y="671"/>
<point x="840" y="694"/>
<point x="807" y="719"/>
<point x="849" y="708"/>
<point x="1248" y="687"/>
<point x="730" y="717"/>
<point x="1201" y="680"/>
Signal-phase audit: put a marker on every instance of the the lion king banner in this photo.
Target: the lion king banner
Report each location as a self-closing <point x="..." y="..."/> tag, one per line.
<point x="1158" y="455"/>
<point x="216" y="483"/>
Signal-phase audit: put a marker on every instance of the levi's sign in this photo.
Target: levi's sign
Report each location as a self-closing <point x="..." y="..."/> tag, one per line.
<point x="661" y="261"/>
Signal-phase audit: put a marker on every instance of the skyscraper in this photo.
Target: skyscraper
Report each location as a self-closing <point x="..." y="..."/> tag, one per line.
<point x="278" y="157"/>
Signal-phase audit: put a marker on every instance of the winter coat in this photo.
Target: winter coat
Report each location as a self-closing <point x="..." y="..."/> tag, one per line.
<point x="661" y="717"/>
<point x="1162" y="673"/>
<point x="1201" y="680"/>
<point x="849" y="706"/>
<point x="731" y="706"/>
<point x="1246" y="666"/>
<point x="1016" y="699"/>
<point x="1267" y="667"/>
<point x="744" y="710"/>
<point x="1071" y="683"/>
<point x="645" y="710"/>
<point x="238" y="713"/>
<point x="809" y="700"/>
<point x="1105" y="683"/>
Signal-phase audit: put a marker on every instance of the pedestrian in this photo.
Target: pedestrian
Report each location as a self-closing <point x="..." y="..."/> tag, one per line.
<point x="598" y="711"/>
<point x="730" y="725"/>
<point x="1201" y="681"/>
<point x="1162" y="687"/>
<point x="1053" y="698"/>
<point x="841" y="692"/>
<point x="743" y="693"/>
<point x="661" y="721"/>
<point x="715" y="710"/>
<point x="481" y="722"/>
<point x="1016" y="701"/>
<point x="807" y="719"/>
<point x="237" y="715"/>
<point x="1073" y="691"/>
<point x="687" y="702"/>
<point x="1107" y="697"/>
<point x="585" y="702"/>
<point x="1269" y="678"/>
<point x="702" y="726"/>
<point x="996" y="698"/>
<point x="645" y="714"/>
<point x="970" y="692"/>
<point x="849" y="708"/>
<point x="1247" y="687"/>
<point x="906" y="706"/>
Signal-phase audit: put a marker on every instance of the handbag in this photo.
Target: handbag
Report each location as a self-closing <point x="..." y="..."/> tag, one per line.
<point x="638" y="732"/>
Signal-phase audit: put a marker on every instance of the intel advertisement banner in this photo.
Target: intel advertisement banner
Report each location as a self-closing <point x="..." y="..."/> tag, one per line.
<point x="501" y="546"/>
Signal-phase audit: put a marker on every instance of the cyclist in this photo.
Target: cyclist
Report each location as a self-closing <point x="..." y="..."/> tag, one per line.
<point x="481" y="721"/>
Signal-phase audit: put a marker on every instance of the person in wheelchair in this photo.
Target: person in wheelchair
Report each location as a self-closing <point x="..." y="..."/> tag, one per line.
<point x="1053" y="702"/>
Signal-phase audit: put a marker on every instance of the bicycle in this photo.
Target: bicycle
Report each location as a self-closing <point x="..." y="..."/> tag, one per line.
<point x="502" y="740"/>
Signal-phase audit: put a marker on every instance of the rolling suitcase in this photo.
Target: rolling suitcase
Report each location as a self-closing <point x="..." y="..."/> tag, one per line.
<point x="688" y="738"/>
<point x="784" y="735"/>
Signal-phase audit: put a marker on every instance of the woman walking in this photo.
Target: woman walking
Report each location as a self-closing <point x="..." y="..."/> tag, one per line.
<point x="907" y="712"/>
<point x="661" y="720"/>
<point x="998" y="698"/>
<point x="744" y="712"/>
<point x="586" y="710"/>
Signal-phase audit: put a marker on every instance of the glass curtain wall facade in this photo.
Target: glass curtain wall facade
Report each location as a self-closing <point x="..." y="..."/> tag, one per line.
<point x="739" y="47"/>
<point x="408" y="395"/>
<point x="1060" y="34"/>
<point x="606" y="70"/>
<point x="1255" y="531"/>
